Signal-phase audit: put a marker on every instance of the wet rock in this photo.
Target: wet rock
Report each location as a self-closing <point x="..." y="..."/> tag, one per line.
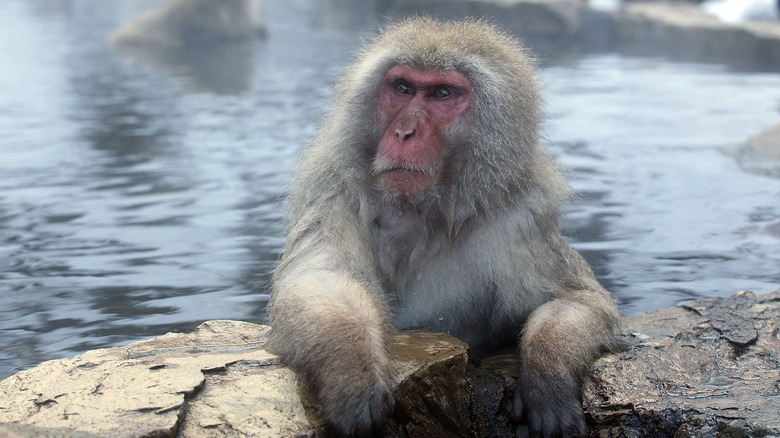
<point x="492" y="384"/>
<point x="706" y="368"/>
<point x="766" y="144"/>
<point x="432" y="396"/>
<point x="760" y="154"/>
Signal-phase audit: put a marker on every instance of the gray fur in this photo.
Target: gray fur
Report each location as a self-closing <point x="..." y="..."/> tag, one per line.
<point x="479" y="255"/>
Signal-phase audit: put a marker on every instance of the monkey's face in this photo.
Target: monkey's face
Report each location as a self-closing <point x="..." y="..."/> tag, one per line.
<point x="417" y="107"/>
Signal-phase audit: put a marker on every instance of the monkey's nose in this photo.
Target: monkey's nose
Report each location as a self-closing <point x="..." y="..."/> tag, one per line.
<point x="405" y="134"/>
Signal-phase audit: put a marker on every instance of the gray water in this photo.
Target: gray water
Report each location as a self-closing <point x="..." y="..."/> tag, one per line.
<point x="142" y="196"/>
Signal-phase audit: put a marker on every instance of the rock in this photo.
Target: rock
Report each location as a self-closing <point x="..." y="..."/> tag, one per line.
<point x="492" y="385"/>
<point x="707" y="368"/>
<point x="681" y="30"/>
<point x="766" y="144"/>
<point x="209" y="41"/>
<point x="180" y="23"/>
<point x="432" y="396"/>
<point x="24" y="431"/>
<point x="552" y="18"/>
<point x="674" y="29"/>
<point x="137" y="390"/>
<point x="760" y="154"/>
<point x="219" y="382"/>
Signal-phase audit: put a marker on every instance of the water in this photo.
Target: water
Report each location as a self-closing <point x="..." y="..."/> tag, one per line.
<point x="664" y="216"/>
<point x="139" y="197"/>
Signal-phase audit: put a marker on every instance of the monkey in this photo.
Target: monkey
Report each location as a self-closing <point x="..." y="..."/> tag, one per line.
<point x="427" y="198"/>
<point x="181" y="23"/>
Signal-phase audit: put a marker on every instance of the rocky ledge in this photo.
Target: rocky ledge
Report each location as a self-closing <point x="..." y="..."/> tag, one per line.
<point x="681" y="30"/>
<point x="674" y="29"/>
<point x="707" y="368"/>
<point x="761" y="155"/>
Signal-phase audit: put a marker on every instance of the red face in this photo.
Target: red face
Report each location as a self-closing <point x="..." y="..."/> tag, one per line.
<point x="417" y="106"/>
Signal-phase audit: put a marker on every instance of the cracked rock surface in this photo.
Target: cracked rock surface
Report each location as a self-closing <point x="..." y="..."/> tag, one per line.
<point x="219" y="382"/>
<point x="707" y="368"/>
<point x="138" y="390"/>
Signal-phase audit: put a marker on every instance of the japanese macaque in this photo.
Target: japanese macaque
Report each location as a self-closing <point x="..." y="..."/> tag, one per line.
<point x="427" y="199"/>
<point x="181" y="23"/>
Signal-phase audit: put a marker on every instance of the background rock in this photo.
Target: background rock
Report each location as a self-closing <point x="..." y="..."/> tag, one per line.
<point x="766" y="144"/>
<point x="760" y="154"/>
<point x="680" y="30"/>
<point x="179" y="23"/>
<point x="673" y="29"/>
<point x="551" y="18"/>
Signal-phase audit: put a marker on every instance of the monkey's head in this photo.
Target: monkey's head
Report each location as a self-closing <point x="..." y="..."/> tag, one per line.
<point x="416" y="108"/>
<point x="444" y="115"/>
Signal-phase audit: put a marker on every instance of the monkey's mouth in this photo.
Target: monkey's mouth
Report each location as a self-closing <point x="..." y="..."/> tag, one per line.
<point x="407" y="180"/>
<point x="429" y="171"/>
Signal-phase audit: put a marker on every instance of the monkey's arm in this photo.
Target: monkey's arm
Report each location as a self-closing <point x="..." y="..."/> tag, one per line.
<point x="562" y="337"/>
<point x="559" y="342"/>
<point x="329" y="325"/>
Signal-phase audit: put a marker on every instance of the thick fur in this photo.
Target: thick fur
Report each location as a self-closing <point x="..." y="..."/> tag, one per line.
<point x="479" y="255"/>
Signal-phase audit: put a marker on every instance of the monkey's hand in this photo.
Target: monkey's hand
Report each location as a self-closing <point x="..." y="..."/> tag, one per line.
<point x="358" y="400"/>
<point x="331" y="329"/>
<point x="559" y="342"/>
<point x="550" y="405"/>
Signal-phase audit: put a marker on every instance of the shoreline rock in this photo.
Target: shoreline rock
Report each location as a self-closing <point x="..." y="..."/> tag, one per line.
<point x="550" y="18"/>
<point x="679" y="30"/>
<point x="705" y="368"/>
<point x="760" y="154"/>
<point x="180" y="23"/>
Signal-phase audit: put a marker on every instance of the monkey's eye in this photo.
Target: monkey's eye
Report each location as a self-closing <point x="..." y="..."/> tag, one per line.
<point x="441" y="92"/>
<point x="403" y="88"/>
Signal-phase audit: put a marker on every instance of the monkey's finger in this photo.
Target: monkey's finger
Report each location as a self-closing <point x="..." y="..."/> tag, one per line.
<point x="577" y="429"/>
<point x="383" y="408"/>
<point x="516" y="414"/>
<point x="363" y="425"/>
<point x="379" y="416"/>
<point x="549" y="424"/>
<point x="371" y="419"/>
<point x="536" y="426"/>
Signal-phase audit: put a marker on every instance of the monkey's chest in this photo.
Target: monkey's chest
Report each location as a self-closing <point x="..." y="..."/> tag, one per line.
<point x="428" y="279"/>
<point x="400" y="240"/>
<point x="428" y="287"/>
<point x="450" y="309"/>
